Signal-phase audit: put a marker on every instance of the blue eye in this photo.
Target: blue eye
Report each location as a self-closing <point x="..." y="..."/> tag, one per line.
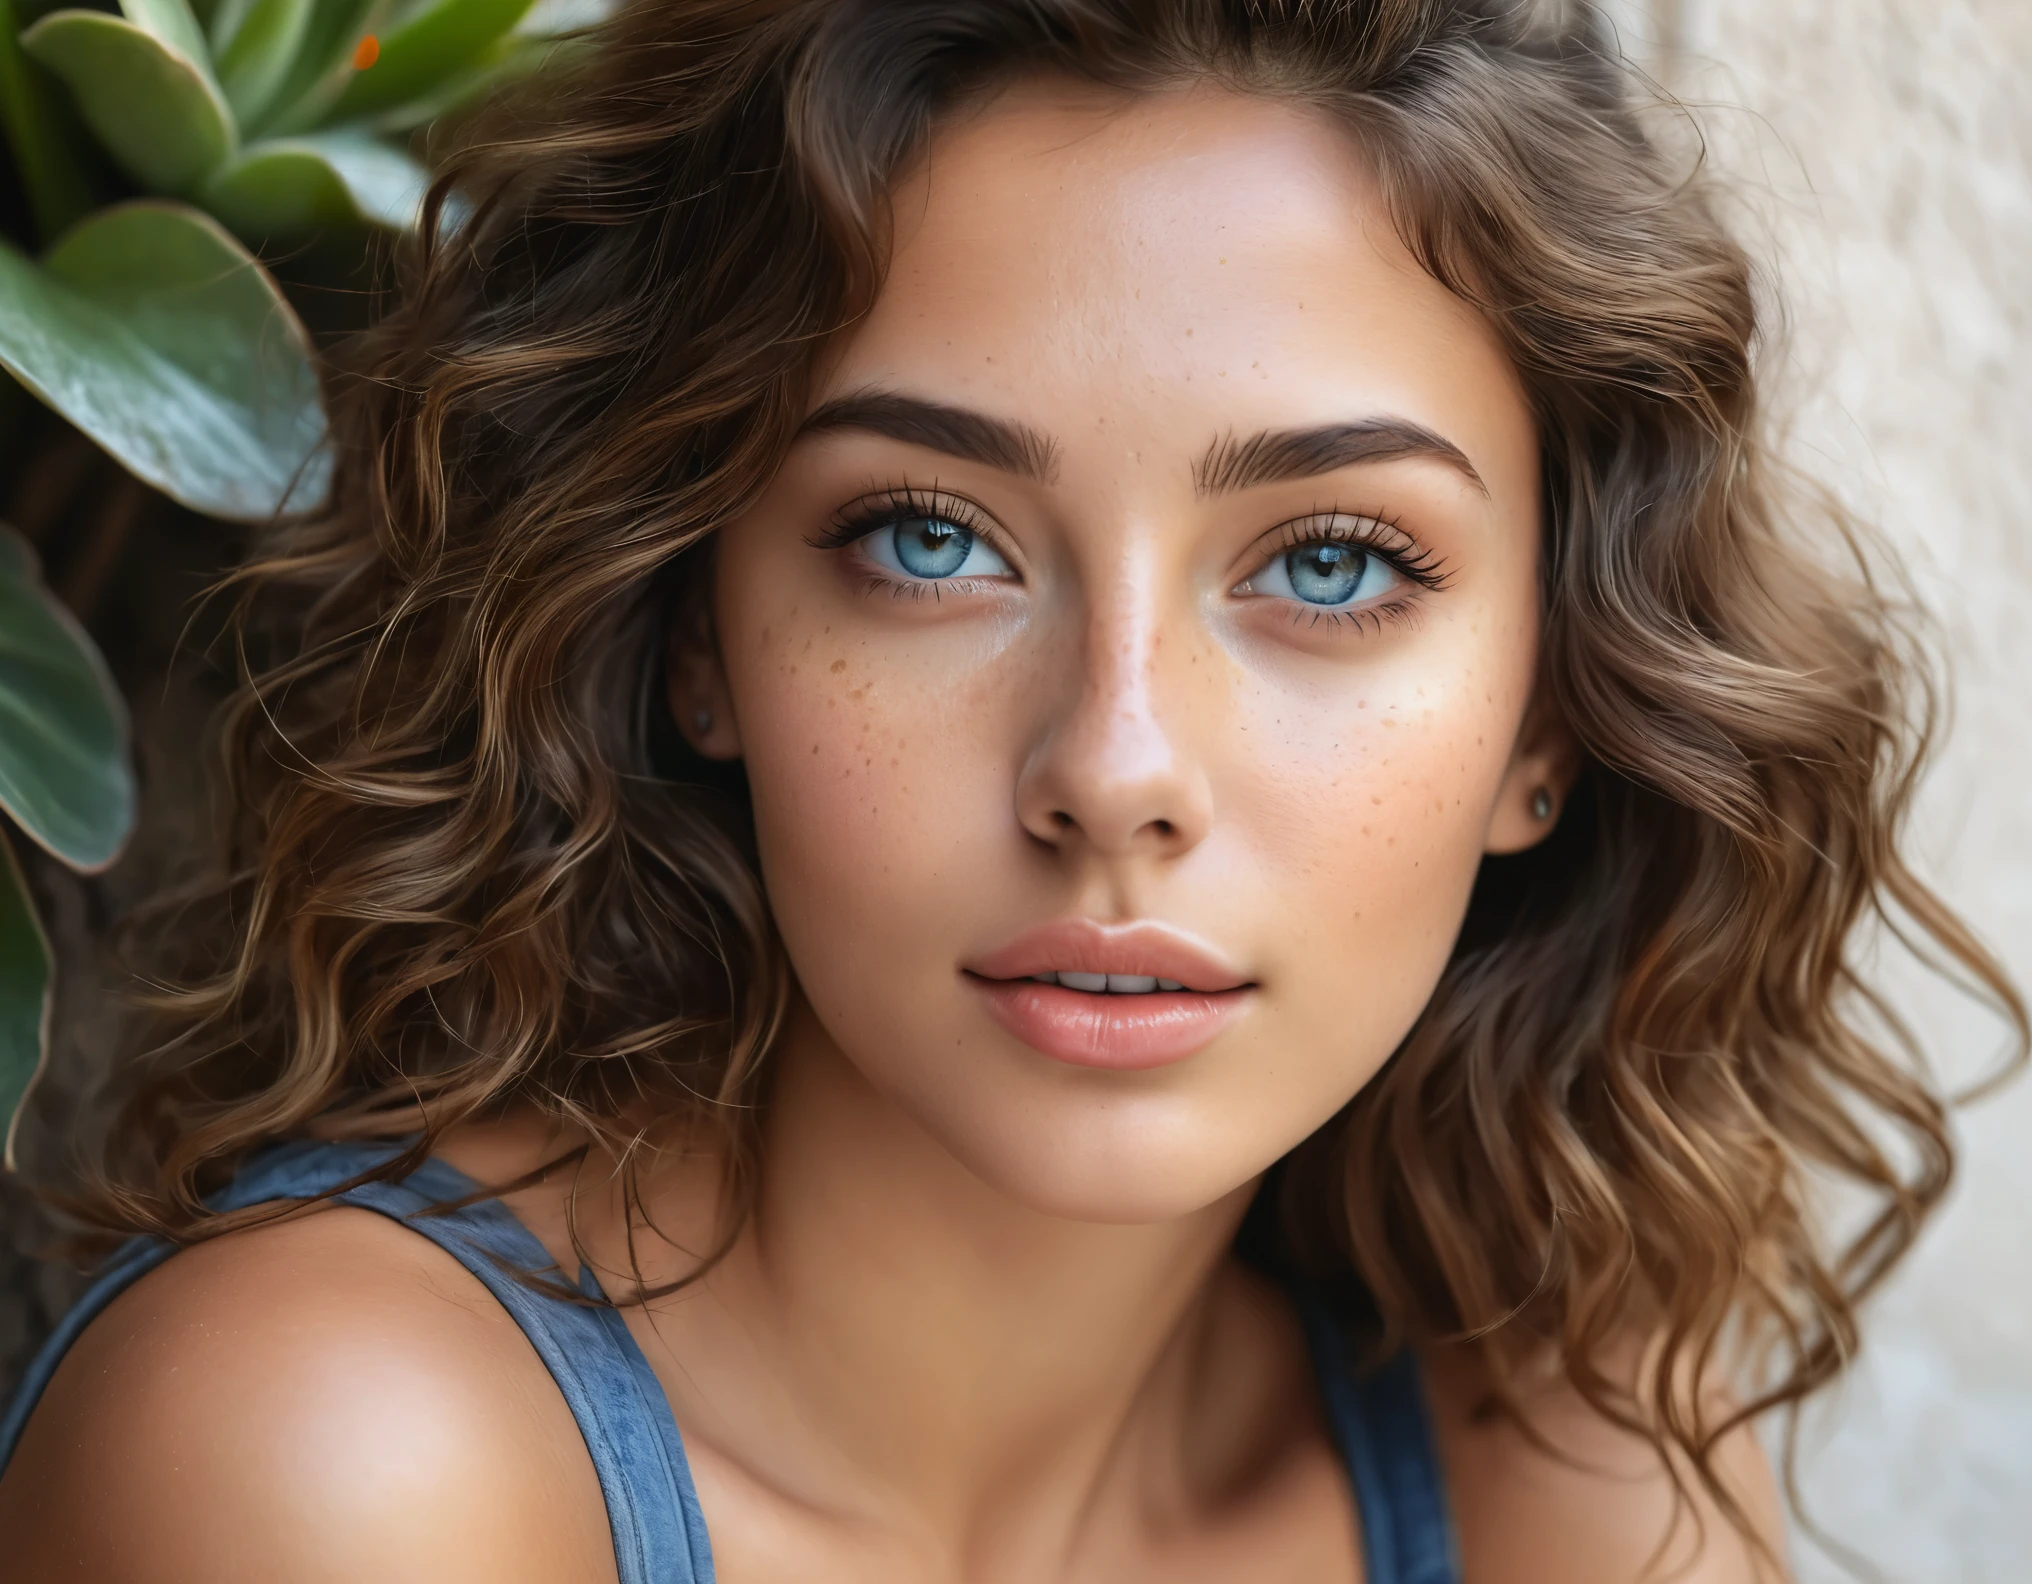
<point x="931" y="549"/>
<point x="1326" y="573"/>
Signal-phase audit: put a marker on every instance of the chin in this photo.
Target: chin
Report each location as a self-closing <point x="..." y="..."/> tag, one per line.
<point x="1108" y="1159"/>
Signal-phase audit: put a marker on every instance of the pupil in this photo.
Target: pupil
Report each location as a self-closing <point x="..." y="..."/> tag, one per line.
<point x="1325" y="574"/>
<point x="930" y="547"/>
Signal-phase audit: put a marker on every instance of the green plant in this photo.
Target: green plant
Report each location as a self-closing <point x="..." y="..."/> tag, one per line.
<point x="157" y="152"/>
<point x="64" y="781"/>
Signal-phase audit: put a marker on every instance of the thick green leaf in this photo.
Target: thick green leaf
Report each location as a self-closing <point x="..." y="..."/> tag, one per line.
<point x="64" y="777"/>
<point x="41" y="135"/>
<point x="289" y="188"/>
<point x="323" y="64"/>
<point x="25" y="981"/>
<point x="159" y="336"/>
<point x="225" y="19"/>
<point x="429" y="46"/>
<point x="253" y="61"/>
<point x="553" y="18"/>
<point x="156" y="110"/>
<point x="506" y="60"/>
<point x="172" y="22"/>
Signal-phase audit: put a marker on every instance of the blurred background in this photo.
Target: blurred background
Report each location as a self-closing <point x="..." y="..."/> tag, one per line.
<point x="1879" y="154"/>
<point x="1882" y="156"/>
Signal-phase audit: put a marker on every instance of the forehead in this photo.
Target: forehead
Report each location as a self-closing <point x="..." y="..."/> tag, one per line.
<point x="1173" y="265"/>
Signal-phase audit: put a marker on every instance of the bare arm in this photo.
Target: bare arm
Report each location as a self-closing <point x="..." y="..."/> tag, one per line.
<point x="332" y="1399"/>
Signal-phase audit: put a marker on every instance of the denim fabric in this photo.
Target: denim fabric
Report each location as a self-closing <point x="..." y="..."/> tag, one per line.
<point x="659" y="1535"/>
<point x="1379" y="1420"/>
<point x="1384" y="1428"/>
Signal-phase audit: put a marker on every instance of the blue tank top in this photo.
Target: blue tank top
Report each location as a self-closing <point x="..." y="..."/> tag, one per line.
<point x="1379" y="1418"/>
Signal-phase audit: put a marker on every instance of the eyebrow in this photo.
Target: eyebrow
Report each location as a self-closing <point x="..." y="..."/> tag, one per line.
<point x="1275" y="455"/>
<point x="957" y="431"/>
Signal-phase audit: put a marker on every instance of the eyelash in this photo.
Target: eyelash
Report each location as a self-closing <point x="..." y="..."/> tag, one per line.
<point x="899" y="503"/>
<point x="1418" y="563"/>
<point x="885" y="508"/>
<point x="1420" y="566"/>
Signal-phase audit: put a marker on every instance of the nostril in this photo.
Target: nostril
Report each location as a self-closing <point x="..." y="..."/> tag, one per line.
<point x="1062" y="820"/>
<point x="1165" y="828"/>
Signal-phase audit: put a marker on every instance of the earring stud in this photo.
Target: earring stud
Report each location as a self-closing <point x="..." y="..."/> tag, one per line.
<point x="1541" y="804"/>
<point x="702" y="721"/>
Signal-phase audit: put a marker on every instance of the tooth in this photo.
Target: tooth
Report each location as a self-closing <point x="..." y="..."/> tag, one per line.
<point x="1092" y="983"/>
<point x="1169" y="984"/>
<point x="1045" y="978"/>
<point x="1131" y="984"/>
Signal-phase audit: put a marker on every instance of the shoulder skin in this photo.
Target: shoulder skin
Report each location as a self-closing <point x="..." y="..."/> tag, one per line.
<point x="330" y="1398"/>
<point x="1594" y="1504"/>
<point x="335" y="1399"/>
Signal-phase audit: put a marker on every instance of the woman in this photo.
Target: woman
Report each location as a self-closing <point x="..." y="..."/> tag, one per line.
<point x="1058" y="792"/>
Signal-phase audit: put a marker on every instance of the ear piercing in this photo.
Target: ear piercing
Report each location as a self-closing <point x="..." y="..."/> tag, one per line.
<point x="1541" y="804"/>
<point x="702" y="721"/>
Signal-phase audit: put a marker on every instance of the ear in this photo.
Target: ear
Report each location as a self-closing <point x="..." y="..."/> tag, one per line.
<point x="697" y="683"/>
<point x="1543" y="768"/>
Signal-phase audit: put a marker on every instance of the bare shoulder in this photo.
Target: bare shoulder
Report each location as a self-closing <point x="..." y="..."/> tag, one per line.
<point x="328" y="1398"/>
<point x="1599" y="1507"/>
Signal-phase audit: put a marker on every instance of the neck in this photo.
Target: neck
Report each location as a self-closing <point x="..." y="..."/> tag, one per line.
<point x="891" y="1334"/>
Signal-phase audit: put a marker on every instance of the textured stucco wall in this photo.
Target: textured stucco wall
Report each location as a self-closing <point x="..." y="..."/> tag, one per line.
<point x="1884" y="148"/>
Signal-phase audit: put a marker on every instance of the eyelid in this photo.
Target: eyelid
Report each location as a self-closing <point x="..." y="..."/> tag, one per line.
<point x="883" y="507"/>
<point x="1382" y="536"/>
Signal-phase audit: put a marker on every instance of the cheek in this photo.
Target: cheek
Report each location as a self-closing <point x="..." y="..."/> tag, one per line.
<point x="1366" y="821"/>
<point x="875" y="782"/>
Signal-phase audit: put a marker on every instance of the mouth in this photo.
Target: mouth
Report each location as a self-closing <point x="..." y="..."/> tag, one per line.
<point x="1107" y="983"/>
<point x="1122" y="997"/>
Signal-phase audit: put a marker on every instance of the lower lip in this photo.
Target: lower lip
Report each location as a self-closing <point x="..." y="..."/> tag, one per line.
<point x="1121" y="1032"/>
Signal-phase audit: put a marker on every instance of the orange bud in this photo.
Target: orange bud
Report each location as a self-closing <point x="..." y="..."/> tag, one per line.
<point x="366" y="52"/>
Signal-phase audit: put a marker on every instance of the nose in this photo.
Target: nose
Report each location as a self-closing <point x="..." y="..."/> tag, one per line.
<point x="1110" y="771"/>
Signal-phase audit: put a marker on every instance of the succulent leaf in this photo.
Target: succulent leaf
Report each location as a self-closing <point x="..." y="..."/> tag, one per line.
<point x="43" y="138"/>
<point x="25" y="982"/>
<point x="160" y="337"/>
<point x="64" y="775"/>
<point x="508" y="58"/>
<point x="431" y="44"/>
<point x="283" y="189"/>
<point x="323" y="65"/>
<point x="156" y="111"/>
<point x="173" y="23"/>
<point x="255" y="58"/>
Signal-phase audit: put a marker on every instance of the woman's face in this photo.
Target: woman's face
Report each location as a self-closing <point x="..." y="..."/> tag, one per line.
<point x="1151" y="599"/>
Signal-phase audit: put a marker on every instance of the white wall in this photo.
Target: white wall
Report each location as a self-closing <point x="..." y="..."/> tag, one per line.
<point x="1885" y="152"/>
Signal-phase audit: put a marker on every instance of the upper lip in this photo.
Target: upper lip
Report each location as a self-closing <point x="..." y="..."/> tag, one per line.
<point x="1083" y="945"/>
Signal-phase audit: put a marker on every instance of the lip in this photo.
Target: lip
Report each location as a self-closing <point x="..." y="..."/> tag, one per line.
<point x="1118" y="1032"/>
<point x="1084" y="946"/>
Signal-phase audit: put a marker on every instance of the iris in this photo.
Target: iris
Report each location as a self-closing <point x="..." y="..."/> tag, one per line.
<point x="931" y="547"/>
<point x="1324" y="573"/>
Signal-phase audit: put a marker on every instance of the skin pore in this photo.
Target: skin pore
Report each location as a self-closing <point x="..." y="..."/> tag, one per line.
<point x="1161" y="564"/>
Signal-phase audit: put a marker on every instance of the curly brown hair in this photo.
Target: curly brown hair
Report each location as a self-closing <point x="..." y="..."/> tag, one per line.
<point x="471" y="862"/>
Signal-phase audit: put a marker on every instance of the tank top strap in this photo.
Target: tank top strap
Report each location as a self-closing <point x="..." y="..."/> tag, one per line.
<point x="659" y="1532"/>
<point x="1379" y="1418"/>
<point x="1383" y="1426"/>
